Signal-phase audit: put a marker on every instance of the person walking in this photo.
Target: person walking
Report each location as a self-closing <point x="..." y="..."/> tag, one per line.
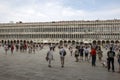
<point x="6" y="48"/>
<point x="71" y="50"/>
<point x="100" y="54"/>
<point x="76" y="54"/>
<point x="62" y="56"/>
<point x="81" y="52"/>
<point x="17" y="47"/>
<point x="118" y="57"/>
<point x="12" y="49"/>
<point x="93" y="54"/>
<point x="111" y="55"/>
<point x="49" y="56"/>
<point x="86" y="52"/>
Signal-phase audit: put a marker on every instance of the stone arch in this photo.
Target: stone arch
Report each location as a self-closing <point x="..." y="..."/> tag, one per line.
<point x="117" y="41"/>
<point x="103" y="42"/>
<point x="21" y="41"/>
<point x="5" y="41"/>
<point x="65" y="41"/>
<point x="99" y="42"/>
<point x="14" y="41"/>
<point x="25" y="41"/>
<point x="107" y="41"/>
<point x="69" y="41"/>
<point x="31" y="41"/>
<point x="8" y="41"/>
<point x="18" y="41"/>
<point x="2" y="41"/>
<point x="112" y="41"/>
<point x="61" y="41"/>
<point x="11" y="41"/>
<point x="81" y="43"/>
<point x="73" y="41"/>
<point x="94" y="42"/>
<point x="28" y="42"/>
<point x="77" y="42"/>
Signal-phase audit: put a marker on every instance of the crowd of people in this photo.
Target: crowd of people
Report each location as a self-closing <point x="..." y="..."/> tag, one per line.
<point x="86" y="52"/>
<point x="22" y="47"/>
<point x="89" y="53"/>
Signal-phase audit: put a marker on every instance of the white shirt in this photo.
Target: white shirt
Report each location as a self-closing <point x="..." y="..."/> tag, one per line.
<point x="62" y="52"/>
<point x="50" y="54"/>
<point x="86" y="50"/>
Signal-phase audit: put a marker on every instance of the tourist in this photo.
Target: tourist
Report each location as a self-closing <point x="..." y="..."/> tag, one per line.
<point x="93" y="54"/>
<point x="62" y="56"/>
<point x="6" y="48"/>
<point x="86" y="52"/>
<point x="25" y="47"/>
<point x="12" y="48"/>
<point x="111" y="55"/>
<point x="81" y="52"/>
<point x="71" y="50"/>
<point x="21" y="47"/>
<point x="17" y="47"/>
<point x="100" y="54"/>
<point x="49" y="56"/>
<point x="30" y="48"/>
<point x="118" y="56"/>
<point x="76" y="54"/>
<point x="34" y="48"/>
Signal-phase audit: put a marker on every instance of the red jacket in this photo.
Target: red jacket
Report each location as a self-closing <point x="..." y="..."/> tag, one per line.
<point x="12" y="47"/>
<point x="93" y="52"/>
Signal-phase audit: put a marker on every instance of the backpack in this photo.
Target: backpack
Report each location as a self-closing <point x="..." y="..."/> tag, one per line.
<point x="111" y="54"/>
<point x="64" y="53"/>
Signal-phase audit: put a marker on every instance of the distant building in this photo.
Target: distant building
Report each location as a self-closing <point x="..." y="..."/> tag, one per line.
<point x="66" y="31"/>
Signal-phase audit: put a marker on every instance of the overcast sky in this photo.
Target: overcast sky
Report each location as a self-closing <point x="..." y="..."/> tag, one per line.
<point x="58" y="10"/>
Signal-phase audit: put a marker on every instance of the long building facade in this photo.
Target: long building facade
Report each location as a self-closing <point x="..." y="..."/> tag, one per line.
<point x="66" y="31"/>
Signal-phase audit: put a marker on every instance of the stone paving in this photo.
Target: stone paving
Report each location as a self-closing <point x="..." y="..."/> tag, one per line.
<point x="24" y="66"/>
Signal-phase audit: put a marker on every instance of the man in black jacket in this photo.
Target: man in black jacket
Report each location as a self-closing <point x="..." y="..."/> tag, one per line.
<point x="111" y="55"/>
